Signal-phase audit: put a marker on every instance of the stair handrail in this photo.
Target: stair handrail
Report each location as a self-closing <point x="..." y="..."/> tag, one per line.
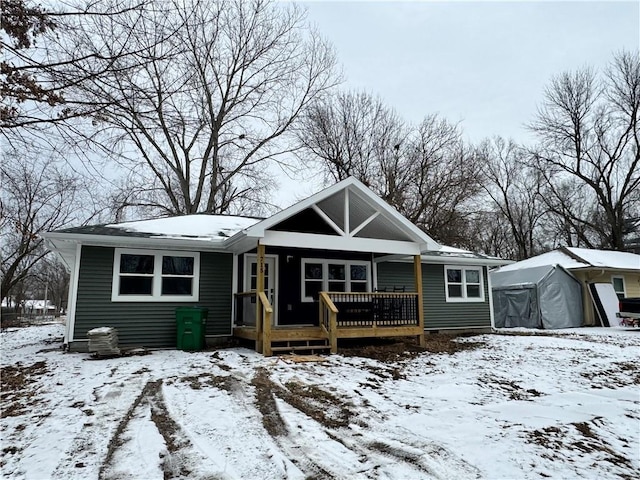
<point x="329" y="319"/>
<point x="267" y="312"/>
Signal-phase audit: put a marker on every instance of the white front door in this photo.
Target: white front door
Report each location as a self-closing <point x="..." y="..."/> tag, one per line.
<point x="270" y="279"/>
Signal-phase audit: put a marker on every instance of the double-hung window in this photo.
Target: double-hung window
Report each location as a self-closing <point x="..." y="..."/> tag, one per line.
<point x="463" y="284"/>
<point x="333" y="276"/>
<point x="155" y="276"/>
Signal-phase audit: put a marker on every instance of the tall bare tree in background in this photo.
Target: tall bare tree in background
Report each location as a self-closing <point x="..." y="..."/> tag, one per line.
<point x="41" y="189"/>
<point x="37" y="196"/>
<point x="424" y="171"/>
<point x="206" y="101"/>
<point x="350" y="133"/>
<point x="514" y="189"/>
<point x="589" y="152"/>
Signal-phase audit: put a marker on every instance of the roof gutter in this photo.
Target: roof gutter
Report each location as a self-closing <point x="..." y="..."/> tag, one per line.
<point x="118" y="241"/>
<point x="452" y="260"/>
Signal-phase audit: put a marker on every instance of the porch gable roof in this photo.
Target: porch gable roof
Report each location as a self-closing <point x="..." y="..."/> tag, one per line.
<point x="357" y="218"/>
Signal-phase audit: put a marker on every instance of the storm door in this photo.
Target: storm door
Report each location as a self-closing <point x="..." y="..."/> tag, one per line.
<point x="270" y="280"/>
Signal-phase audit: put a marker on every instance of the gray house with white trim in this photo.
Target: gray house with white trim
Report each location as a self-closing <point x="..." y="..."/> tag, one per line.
<point x="339" y="264"/>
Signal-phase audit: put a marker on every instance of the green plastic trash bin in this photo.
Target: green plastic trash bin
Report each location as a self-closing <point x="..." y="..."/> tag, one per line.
<point x="190" y="323"/>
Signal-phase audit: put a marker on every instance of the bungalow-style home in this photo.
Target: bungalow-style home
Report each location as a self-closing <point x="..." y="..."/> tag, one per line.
<point x="339" y="264"/>
<point x="588" y="266"/>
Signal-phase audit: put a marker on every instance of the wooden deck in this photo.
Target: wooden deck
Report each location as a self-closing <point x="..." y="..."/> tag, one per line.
<point x="340" y="314"/>
<point x="312" y="339"/>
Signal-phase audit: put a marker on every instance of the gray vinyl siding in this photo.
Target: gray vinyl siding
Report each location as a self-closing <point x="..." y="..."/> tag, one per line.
<point x="438" y="313"/>
<point x="148" y="324"/>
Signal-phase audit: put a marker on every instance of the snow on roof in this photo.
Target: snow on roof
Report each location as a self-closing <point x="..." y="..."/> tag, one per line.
<point x="589" y="257"/>
<point x="608" y="258"/>
<point x="447" y="251"/>
<point x="555" y="257"/>
<point x="520" y="277"/>
<point x="198" y="226"/>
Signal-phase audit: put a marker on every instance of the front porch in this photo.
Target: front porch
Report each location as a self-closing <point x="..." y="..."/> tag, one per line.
<point x="307" y="275"/>
<point x="340" y="315"/>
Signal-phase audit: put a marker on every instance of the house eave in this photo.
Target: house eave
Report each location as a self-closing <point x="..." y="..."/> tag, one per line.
<point x="139" y="242"/>
<point x="448" y="260"/>
<point x="601" y="268"/>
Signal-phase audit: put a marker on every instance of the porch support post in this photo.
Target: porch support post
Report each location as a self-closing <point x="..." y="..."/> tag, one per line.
<point x="333" y="332"/>
<point x="417" y="270"/>
<point x="259" y="288"/>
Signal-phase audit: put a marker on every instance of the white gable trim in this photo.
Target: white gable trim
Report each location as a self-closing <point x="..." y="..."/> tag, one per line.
<point x="350" y="185"/>
<point x="326" y="218"/>
<point x="328" y="242"/>
<point x="355" y="231"/>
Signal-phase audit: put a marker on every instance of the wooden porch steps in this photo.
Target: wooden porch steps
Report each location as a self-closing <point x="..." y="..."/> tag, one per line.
<point x="306" y="345"/>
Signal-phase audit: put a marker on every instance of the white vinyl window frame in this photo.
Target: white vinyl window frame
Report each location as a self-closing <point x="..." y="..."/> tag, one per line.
<point x="622" y="292"/>
<point x="325" y="275"/>
<point x="463" y="283"/>
<point x="157" y="276"/>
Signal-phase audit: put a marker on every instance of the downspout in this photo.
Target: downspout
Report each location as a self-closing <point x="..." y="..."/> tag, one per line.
<point x="234" y="289"/>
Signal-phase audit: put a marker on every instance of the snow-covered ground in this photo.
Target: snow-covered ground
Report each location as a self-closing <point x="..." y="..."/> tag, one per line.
<point x="517" y="406"/>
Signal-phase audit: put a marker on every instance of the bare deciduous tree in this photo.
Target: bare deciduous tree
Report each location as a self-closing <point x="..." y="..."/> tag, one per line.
<point x="424" y="171"/>
<point x="514" y="188"/>
<point x="200" y="110"/>
<point x="37" y="197"/>
<point x="589" y="152"/>
<point x="349" y="133"/>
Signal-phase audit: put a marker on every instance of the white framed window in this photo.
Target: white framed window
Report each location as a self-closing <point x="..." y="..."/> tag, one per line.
<point x="155" y="276"/>
<point x="463" y="284"/>
<point x="333" y="276"/>
<point x="618" y="286"/>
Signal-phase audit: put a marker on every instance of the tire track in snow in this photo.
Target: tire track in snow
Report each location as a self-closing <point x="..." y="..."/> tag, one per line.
<point x="275" y="425"/>
<point x="369" y="457"/>
<point x="178" y="459"/>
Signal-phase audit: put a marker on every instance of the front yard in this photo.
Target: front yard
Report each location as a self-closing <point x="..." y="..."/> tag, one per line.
<point x="496" y="407"/>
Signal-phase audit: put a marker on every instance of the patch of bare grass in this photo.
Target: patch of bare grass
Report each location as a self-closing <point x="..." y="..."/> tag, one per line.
<point x="514" y="390"/>
<point x="393" y="349"/>
<point x="324" y="407"/>
<point x="17" y="387"/>
<point x="556" y="439"/>
<point x="223" y="382"/>
<point x="621" y="374"/>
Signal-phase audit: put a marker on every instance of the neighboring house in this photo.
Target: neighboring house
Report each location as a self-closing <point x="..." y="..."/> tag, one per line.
<point x="32" y="307"/>
<point x="339" y="264"/>
<point x="38" y="307"/>
<point x="621" y="269"/>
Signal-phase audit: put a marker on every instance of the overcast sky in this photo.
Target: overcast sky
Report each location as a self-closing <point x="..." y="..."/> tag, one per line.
<point x="483" y="64"/>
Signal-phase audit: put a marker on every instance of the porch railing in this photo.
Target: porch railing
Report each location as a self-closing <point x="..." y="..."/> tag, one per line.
<point x="329" y="320"/>
<point x="379" y="309"/>
<point x="341" y="315"/>
<point x="253" y="309"/>
<point x="264" y="311"/>
<point x="246" y="308"/>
